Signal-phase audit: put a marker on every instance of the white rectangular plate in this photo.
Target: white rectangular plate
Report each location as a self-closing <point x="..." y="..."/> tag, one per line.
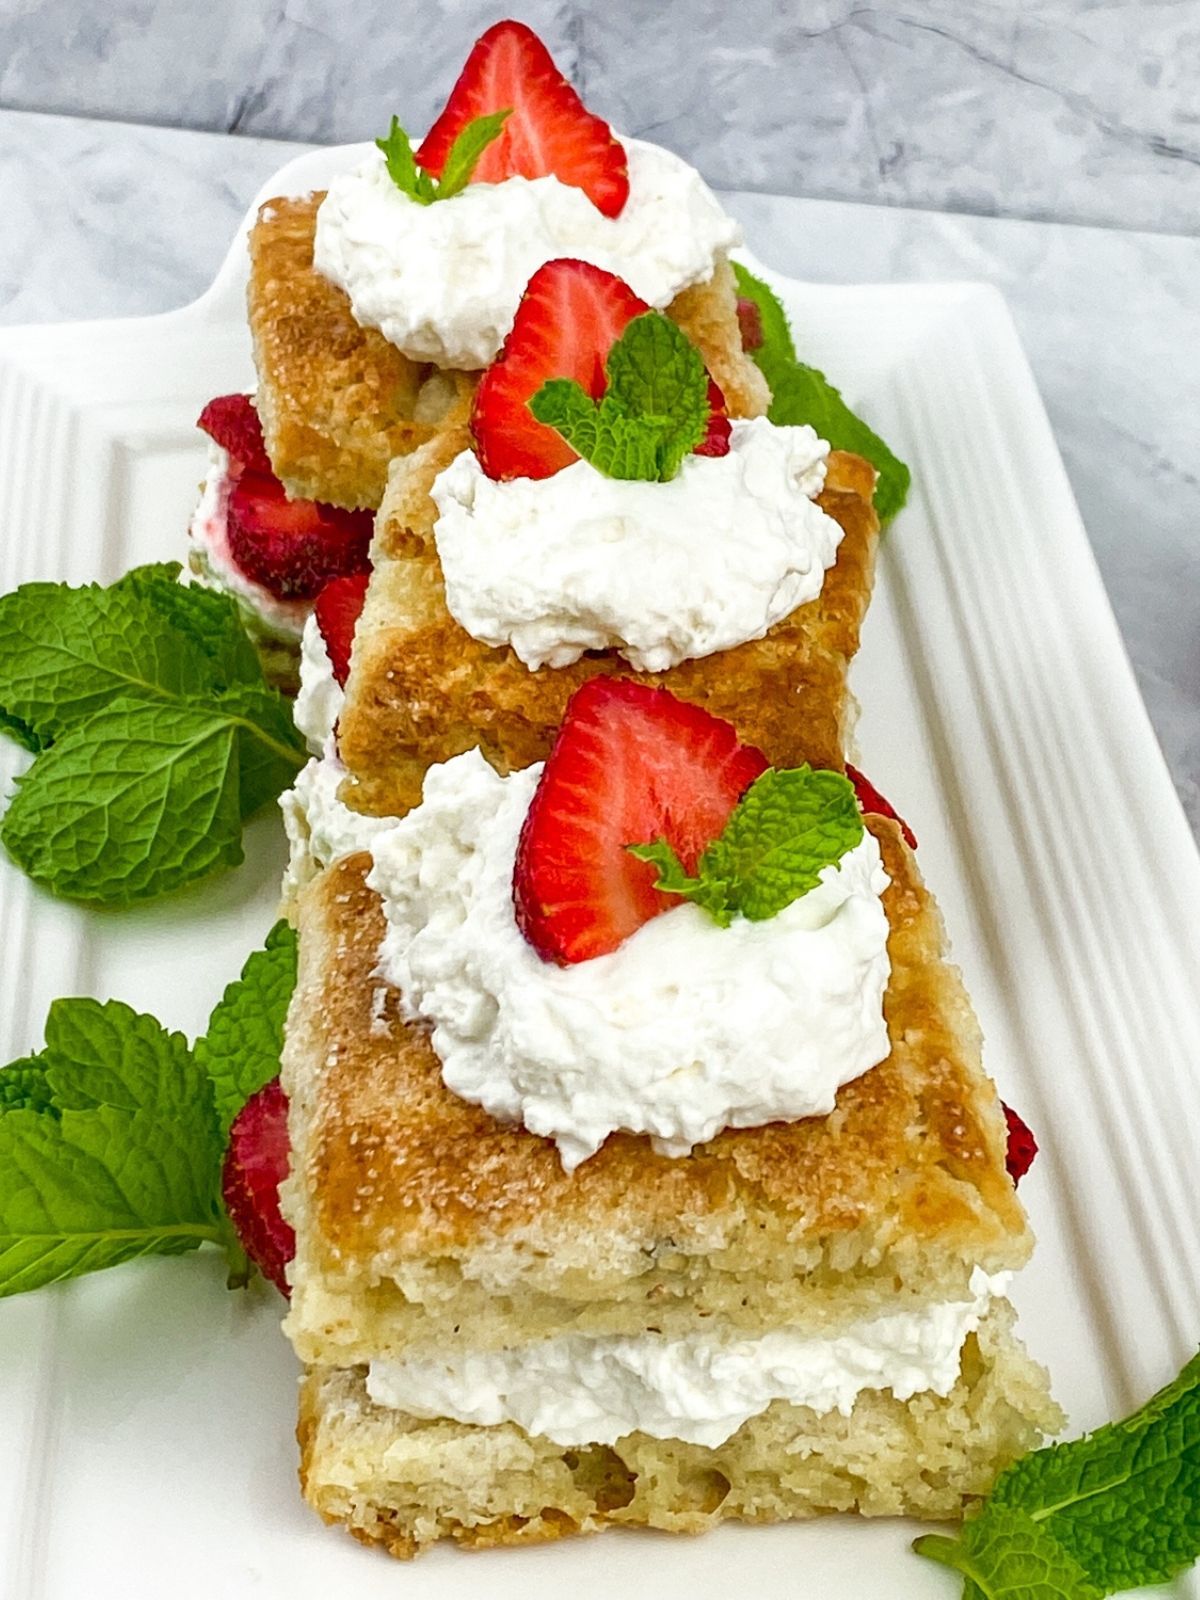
<point x="147" y="1442"/>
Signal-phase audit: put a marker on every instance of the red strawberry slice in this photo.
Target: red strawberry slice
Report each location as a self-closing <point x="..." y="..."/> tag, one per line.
<point x="338" y="608"/>
<point x="716" y="441"/>
<point x="293" y="547"/>
<point x="256" y="1163"/>
<point x="232" y="422"/>
<point x="550" y="132"/>
<point x="569" y="318"/>
<point x="870" y="799"/>
<point x="750" y="324"/>
<point x="630" y="764"/>
<point x="1022" y="1146"/>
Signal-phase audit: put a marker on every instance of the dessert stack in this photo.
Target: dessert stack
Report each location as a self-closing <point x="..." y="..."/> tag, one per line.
<point x="644" y="1168"/>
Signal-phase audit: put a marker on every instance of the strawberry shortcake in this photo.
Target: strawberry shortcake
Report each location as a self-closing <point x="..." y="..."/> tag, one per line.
<point x="373" y="306"/>
<point x="644" y="1170"/>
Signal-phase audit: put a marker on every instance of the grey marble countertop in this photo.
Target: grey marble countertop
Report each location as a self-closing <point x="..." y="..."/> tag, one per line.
<point x="1110" y="319"/>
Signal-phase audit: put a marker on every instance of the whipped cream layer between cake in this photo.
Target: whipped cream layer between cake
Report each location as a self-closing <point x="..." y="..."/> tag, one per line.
<point x="576" y="1390"/>
<point x="685" y="1029"/>
<point x="441" y="282"/>
<point x="661" y="572"/>
<point x="320" y="827"/>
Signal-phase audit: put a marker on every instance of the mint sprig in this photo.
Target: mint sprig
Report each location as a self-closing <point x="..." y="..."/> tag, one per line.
<point x="155" y="732"/>
<point x="112" y="1137"/>
<point x="654" y="411"/>
<point x="240" y="1050"/>
<point x="461" y="159"/>
<point x="801" y="394"/>
<point x="1116" y="1510"/>
<point x="786" y="829"/>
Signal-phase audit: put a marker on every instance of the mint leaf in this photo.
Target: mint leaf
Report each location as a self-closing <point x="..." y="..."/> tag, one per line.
<point x="208" y="618"/>
<point x="24" y="1086"/>
<point x="270" y="751"/>
<point x="654" y="411"/>
<point x="16" y="729"/>
<point x="402" y="166"/>
<point x="131" y="1165"/>
<point x="1125" y="1500"/>
<point x="461" y="159"/>
<point x="1007" y="1556"/>
<point x="617" y="445"/>
<point x="1115" y="1510"/>
<point x="139" y="799"/>
<point x="159" y="734"/>
<point x="801" y="394"/>
<point x="241" y="1049"/>
<point x="786" y="829"/>
<point x="463" y="155"/>
<point x="70" y="652"/>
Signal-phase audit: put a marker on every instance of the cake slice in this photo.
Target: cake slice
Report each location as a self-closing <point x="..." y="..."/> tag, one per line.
<point x="373" y="306"/>
<point x="508" y="571"/>
<point x="438" y="1247"/>
<point x="339" y="403"/>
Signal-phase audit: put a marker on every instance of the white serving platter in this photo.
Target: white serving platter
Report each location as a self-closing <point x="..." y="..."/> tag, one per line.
<point x="146" y="1448"/>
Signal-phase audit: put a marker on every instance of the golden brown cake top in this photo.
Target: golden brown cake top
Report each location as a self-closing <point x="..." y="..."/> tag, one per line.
<point x="421" y="689"/>
<point x="337" y="401"/>
<point x="394" y="1167"/>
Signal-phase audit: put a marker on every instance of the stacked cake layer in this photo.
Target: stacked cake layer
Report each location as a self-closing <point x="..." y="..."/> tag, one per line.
<point x="430" y="1236"/>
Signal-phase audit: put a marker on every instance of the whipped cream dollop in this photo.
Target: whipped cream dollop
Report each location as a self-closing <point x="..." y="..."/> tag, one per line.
<point x="442" y="281"/>
<point x="212" y="565"/>
<point x="662" y="572"/>
<point x="320" y="828"/>
<point x="578" y="1390"/>
<point x="685" y="1029"/>
<point x="319" y="703"/>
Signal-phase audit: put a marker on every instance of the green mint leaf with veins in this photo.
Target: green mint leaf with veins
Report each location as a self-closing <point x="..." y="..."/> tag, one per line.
<point x="617" y="445"/>
<point x="270" y="751"/>
<point x="1115" y="1510"/>
<point x="157" y="734"/>
<point x="402" y="166"/>
<point x="801" y="394"/>
<point x="112" y="1138"/>
<point x="654" y="411"/>
<point x="25" y="1087"/>
<point x="464" y="153"/>
<point x="70" y="652"/>
<point x="130" y="1164"/>
<point x="1008" y="1556"/>
<point x="206" y="617"/>
<point x="19" y="730"/>
<point x="240" y="1051"/>
<point x="461" y="160"/>
<point x="142" y="798"/>
<point x="787" y="827"/>
<point x="1125" y="1500"/>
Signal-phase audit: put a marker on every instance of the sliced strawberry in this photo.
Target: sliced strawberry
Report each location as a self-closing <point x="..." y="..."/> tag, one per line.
<point x="550" y="132"/>
<point x="569" y="318"/>
<point x="716" y="441"/>
<point x="293" y="547"/>
<point x="631" y="764"/>
<point x="338" y="608"/>
<point x="256" y="1163"/>
<point x="750" y="324"/>
<point x="1022" y="1146"/>
<point x="232" y="422"/>
<point x="870" y="799"/>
